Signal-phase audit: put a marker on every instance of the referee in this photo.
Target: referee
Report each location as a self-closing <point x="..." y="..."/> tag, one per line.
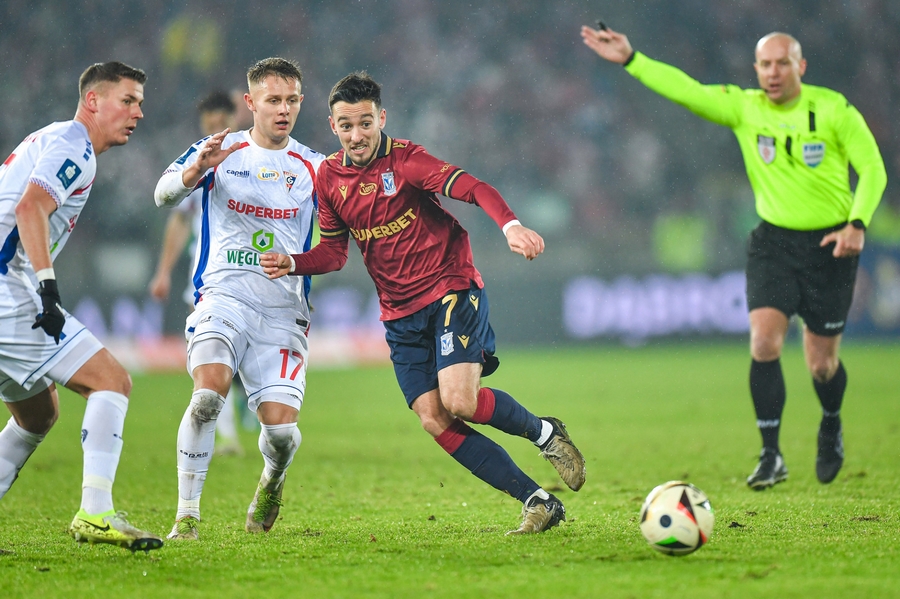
<point x="797" y="141"/>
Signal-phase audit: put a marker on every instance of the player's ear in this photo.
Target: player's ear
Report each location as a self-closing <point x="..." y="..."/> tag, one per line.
<point x="90" y="100"/>
<point x="333" y="126"/>
<point x="382" y="118"/>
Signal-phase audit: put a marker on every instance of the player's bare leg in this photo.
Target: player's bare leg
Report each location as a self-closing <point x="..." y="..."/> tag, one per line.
<point x="279" y="439"/>
<point x="830" y="382"/>
<point x="768" y="328"/>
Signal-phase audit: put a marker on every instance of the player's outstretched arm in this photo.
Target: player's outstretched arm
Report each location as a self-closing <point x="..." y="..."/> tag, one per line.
<point x="523" y="240"/>
<point x="607" y="43"/>
<point x="328" y="256"/>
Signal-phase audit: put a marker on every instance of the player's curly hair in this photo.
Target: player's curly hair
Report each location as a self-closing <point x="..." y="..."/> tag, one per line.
<point x="355" y="87"/>
<point x="281" y="67"/>
<point x="112" y="72"/>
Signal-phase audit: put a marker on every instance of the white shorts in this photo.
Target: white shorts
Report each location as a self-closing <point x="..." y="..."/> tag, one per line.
<point x="30" y="360"/>
<point x="269" y="354"/>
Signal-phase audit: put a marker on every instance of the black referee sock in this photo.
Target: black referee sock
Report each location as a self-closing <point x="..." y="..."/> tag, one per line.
<point x="768" y="393"/>
<point x="831" y="396"/>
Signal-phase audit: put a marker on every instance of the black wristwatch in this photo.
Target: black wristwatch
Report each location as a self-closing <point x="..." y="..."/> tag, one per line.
<point x="858" y="224"/>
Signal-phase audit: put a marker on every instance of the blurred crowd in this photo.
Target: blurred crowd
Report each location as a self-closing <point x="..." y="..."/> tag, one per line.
<point x="616" y="179"/>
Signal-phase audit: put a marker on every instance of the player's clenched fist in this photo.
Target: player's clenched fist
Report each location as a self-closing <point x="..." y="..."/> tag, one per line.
<point x="523" y="240"/>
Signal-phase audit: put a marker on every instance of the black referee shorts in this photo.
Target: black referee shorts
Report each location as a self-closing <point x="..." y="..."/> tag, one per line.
<point x="787" y="270"/>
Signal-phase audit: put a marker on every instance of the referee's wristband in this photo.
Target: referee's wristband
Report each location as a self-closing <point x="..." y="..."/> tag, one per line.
<point x="44" y="274"/>
<point x="858" y="224"/>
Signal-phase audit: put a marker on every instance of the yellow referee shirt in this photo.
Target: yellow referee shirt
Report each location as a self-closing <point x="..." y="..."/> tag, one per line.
<point x="796" y="154"/>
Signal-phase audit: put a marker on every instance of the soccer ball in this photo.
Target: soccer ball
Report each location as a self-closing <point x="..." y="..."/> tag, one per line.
<point x="676" y="518"/>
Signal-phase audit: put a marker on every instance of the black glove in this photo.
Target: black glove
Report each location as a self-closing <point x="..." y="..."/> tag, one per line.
<point x="52" y="318"/>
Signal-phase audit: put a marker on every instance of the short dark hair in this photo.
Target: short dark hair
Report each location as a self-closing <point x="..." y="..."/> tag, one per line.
<point x="355" y="87"/>
<point x="216" y="101"/>
<point x="282" y="67"/>
<point x="112" y="72"/>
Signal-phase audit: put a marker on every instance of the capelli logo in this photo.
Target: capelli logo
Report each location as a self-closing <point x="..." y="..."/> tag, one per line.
<point x="266" y="174"/>
<point x="241" y="174"/>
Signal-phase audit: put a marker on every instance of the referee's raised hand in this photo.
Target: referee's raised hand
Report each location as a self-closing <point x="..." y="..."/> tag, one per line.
<point x="607" y="43"/>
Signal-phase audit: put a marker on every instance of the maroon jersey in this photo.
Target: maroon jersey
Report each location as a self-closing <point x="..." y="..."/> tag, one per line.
<point x="414" y="250"/>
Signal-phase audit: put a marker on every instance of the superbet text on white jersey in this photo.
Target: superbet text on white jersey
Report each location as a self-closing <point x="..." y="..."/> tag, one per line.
<point x="255" y="201"/>
<point x="60" y="160"/>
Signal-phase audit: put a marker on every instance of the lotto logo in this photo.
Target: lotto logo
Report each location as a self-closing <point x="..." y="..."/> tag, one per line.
<point x="266" y="174"/>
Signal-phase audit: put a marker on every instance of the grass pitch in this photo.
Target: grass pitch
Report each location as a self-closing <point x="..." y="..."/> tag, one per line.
<point x="375" y="509"/>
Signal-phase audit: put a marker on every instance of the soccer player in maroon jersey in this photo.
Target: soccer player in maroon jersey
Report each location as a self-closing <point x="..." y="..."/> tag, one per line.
<point x="383" y="192"/>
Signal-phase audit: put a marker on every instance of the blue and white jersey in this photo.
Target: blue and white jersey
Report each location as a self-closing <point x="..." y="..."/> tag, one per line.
<point x="256" y="201"/>
<point x="59" y="158"/>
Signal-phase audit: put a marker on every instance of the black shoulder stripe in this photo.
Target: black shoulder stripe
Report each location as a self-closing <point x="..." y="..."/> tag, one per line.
<point x="448" y="185"/>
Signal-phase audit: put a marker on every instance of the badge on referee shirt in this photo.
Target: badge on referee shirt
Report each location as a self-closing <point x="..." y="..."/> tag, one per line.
<point x="813" y="153"/>
<point x="390" y="188"/>
<point x="766" y="146"/>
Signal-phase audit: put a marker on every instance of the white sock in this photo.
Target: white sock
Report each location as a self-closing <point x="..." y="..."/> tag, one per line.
<point x="225" y="425"/>
<point x="16" y="446"/>
<point x="196" y="440"/>
<point x="546" y="431"/>
<point x="101" y="440"/>
<point x="278" y="443"/>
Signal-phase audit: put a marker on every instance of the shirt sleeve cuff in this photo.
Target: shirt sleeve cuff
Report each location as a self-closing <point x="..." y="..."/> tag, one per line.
<point x="293" y="264"/>
<point x="511" y="223"/>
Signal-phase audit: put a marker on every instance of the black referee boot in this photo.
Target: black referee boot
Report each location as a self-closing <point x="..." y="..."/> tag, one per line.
<point x="830" y="457"/>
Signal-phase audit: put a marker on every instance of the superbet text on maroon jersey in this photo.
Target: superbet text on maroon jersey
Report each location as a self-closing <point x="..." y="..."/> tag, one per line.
<point x="414" y="250"/>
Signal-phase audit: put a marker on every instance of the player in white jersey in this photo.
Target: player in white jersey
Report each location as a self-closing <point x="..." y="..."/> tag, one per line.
<point x="217" y="112"/>
<point x="258" y="195"/>
<point x="44" y="185"/>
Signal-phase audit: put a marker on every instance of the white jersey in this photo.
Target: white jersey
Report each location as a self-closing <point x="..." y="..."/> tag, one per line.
<point x="59" y="158"/>
<point x="256" y="201"/>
